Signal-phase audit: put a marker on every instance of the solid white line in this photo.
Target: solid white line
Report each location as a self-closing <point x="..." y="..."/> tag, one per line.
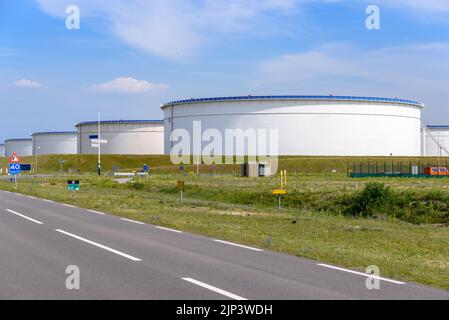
<point x="215" y="289"/>
<point x="172" y="230"/>
<point x="360" y="273"/>
<point x="133" y="221"/>
<point x="93" y="211"/>
<point x="99" y="245"/>
<point x="68" y="205"/>
<point x="23" y="216"/>
<point x="238" y="245"/>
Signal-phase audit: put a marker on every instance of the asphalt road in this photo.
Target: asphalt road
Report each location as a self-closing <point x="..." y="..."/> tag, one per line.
<point x="122" y="259"/>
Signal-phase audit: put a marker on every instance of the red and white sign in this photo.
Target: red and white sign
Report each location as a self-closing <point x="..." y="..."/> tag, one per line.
<point x="14" y="158"/>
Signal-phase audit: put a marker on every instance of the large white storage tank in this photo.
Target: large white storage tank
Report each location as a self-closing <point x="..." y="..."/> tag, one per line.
<point x="436" y="141"/>
<point x="57" y="142"/>
<point x="308" y="125"/>
<point x="2" y="150"/>
<point x="123" y="137"/>
<point x="22" y="147"/>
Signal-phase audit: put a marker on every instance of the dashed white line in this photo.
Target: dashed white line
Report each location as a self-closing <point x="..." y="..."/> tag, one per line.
<point x="97" y="212"/>
<point x="31" y="197"/>
<point x="215" y="289"/>
<point x="99" y="245"/>
<point x="133" y="221"/>
<point x="360" y="273"/>
<point x="46" y="200"/>
<point x="68" y="205"/>
<point x="24" y="216"/>
<point x="172" y="230"/>
<point x="238" y="245"/>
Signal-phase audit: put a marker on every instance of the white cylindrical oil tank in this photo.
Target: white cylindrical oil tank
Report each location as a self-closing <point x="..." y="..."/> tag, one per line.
<point x="436" y="140"/>
<point x="122" y="137"/>
<point x="62" y="142"/>
<point x="22" y="147"/>
<point x="305" y="125"/>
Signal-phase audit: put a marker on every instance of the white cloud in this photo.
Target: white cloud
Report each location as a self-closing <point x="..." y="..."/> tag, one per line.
<point x="175" y="29"/>
<point x="28" y="84"/>
<point x="128" y="85"/>
<point x="416" y="71"/>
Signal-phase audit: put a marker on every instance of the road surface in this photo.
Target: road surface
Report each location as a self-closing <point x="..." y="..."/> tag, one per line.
<point x="124" y="259"/>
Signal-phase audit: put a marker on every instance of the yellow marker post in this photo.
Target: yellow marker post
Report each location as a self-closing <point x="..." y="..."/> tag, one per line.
<point x="281" y="191"/>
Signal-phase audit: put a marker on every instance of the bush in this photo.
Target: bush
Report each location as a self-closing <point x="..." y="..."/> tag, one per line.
<point x="374" y="200"/>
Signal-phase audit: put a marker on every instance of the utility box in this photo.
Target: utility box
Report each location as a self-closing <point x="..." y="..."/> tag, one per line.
<point x="258" y="169"/>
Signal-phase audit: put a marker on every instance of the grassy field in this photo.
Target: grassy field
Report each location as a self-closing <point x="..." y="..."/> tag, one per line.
<point x="312" y="224"/>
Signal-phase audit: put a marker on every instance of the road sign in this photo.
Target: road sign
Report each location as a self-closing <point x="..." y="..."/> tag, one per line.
<point x="95" y="143"/>
<point x="25" y="167"/>
<point x="93" y="136"/>
<point x="181" y="185"/>
<point x="14" y="158"/>
<point x="14" y="169"/>
<point x="73" y="185"/>
<point x="213" y="167"/>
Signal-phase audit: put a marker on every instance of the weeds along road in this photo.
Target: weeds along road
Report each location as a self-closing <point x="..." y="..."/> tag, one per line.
<point x="124" y="259"/>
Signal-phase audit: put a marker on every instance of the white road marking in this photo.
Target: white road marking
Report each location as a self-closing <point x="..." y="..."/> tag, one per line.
<point x="215" y="289"/>
<point x="172" y="230"/>
<point x="99" y="245"/>
<point x="24" y="216"/>
<point x="93" y="211"/>
<point x="360" y="273"/>
<point x="46" y="200"/>
<point x="68" y="205"/>
<point x="238" y="245"/>
<point x="31" y="197"/>
<point x="133" y="221"/>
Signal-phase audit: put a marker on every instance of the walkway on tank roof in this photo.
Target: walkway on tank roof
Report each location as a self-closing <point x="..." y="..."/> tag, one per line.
<point x="286" y="97"/>
<point x="118" y="122"/>
<point x="54" y="132"/>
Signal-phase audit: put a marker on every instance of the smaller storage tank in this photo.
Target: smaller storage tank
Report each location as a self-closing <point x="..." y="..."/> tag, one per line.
<point x="22" y="147"/>
<point x="2" y="150"/>
<point x="57" y="142"/>
<point x="436" y="141"/>
<point x="144" y="137"/>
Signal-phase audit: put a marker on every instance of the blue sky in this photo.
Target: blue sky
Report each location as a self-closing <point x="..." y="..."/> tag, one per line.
<point x="129" y="57"/>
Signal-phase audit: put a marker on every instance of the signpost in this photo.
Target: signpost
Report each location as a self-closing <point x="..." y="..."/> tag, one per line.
<point x="25" y="167"/>
<point x="280" y="192"/>
<point x="73" y="185"/>
<point x="14" y="167"/>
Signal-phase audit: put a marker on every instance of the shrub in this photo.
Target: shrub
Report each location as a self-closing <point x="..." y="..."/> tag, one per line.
<point x="374" y="200"/>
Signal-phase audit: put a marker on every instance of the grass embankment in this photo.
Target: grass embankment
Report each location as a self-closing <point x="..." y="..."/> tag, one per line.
<point x="162" y="163"/>
<point x="311" y="225"/>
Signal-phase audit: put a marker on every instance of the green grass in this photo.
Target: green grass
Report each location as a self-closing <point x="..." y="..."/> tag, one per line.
<point x="243" y="210"/>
